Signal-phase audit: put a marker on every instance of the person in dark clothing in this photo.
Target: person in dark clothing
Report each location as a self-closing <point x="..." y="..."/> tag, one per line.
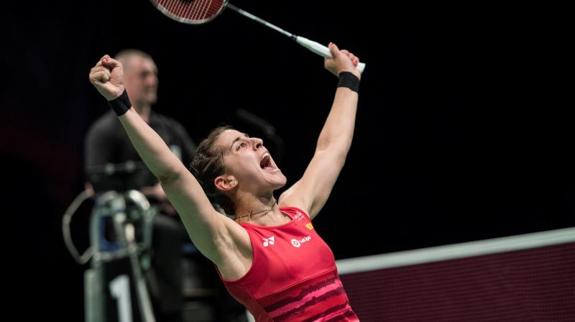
<point x="107" y="145"/>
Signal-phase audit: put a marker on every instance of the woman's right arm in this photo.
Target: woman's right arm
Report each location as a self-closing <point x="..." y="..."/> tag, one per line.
<point x="214" y="235"/>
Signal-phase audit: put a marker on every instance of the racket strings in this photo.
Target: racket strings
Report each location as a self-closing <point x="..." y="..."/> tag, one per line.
<point x="201" y="9"/>
<point x="195" y="11"/>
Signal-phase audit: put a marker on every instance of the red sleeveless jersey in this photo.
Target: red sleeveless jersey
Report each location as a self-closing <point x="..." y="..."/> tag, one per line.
<point x="293" y="276"/>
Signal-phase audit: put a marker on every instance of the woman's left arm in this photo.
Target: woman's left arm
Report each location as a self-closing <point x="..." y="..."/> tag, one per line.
<point x="313" y="189"/>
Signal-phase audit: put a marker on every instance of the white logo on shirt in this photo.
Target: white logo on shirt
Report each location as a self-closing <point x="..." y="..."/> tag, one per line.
<point x="269" y="241"/>
<point x="297" y="243"/>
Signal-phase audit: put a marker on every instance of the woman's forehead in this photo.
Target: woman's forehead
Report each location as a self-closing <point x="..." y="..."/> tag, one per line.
<point x="227" y="137"/>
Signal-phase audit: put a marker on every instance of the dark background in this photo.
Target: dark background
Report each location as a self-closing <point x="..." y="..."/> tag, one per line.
<point x="464" y="129"/>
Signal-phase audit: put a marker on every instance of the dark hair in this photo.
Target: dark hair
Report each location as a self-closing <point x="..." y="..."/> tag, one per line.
<point x="207" y="165"/>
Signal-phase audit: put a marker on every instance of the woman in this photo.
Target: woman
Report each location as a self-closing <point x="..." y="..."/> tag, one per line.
<point x="267" y="253"/>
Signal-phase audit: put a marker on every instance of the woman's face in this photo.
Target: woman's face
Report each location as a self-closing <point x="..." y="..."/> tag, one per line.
<point x="249" y="162"/>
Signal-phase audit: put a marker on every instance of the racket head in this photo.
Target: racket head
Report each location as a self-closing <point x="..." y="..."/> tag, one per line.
<point x="194" y="12"/>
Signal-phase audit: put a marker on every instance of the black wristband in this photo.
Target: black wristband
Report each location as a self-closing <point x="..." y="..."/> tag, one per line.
<point x="349" y="80"/>
<point x="120" y="104"/>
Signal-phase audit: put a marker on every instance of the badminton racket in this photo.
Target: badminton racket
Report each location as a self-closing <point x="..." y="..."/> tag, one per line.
<point x="197" y="12"/>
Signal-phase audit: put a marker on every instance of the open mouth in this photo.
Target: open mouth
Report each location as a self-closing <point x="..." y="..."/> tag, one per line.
<point x="266" y="163"/>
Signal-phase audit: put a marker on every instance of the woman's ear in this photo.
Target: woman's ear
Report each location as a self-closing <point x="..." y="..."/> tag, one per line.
<point x="225" y="183"/>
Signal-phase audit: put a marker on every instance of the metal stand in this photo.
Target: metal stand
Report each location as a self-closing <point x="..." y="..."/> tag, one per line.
<point x="128" y="213"/>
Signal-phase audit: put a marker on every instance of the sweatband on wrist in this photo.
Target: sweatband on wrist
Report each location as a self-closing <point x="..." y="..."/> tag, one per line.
<point x="120" y="104"/>
<point x="349" y="80"/>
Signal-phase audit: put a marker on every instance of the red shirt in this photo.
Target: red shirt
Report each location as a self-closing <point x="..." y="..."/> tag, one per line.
<point x="293" y="276"/>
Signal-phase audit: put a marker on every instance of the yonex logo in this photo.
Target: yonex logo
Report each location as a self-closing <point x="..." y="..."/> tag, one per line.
<point x="297" y="243"/>
<point x="269" y="241"/>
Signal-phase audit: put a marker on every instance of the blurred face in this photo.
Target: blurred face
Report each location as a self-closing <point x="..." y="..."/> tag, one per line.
<point x="141" y="80"/>
<point x="249" y="162"/>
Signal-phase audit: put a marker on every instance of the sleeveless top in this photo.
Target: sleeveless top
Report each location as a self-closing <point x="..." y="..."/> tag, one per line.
<point x="293" y="276"/>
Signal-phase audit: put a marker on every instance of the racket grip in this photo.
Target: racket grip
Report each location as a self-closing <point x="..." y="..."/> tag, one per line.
<point x="320" y="49"/>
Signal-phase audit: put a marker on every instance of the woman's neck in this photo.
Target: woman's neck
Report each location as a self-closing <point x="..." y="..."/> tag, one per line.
<point x="264" y="212"/>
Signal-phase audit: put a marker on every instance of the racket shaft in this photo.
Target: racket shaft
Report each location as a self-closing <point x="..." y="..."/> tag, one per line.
<point x="313" y="46"/>
<point x="260" y="20"/>
<point x="319" y="49"/>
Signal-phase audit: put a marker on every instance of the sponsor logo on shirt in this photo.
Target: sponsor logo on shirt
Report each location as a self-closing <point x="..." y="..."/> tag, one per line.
<point x="269" y="241"/>
<point x="297" y="243"/>
<point x="309" y="226"/>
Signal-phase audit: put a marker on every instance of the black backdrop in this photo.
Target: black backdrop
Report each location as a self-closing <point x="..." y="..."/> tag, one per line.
<point x="461" y="131"/>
